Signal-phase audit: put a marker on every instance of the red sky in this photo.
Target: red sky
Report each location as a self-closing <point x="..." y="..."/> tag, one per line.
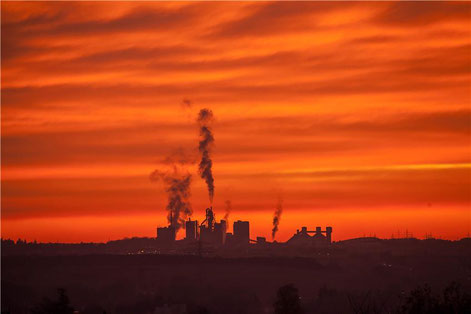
<point x="357" y="114"/>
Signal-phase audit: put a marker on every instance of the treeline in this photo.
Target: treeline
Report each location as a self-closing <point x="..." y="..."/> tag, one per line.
<point x="421" y="300"/>
<point x="123" y="246"/>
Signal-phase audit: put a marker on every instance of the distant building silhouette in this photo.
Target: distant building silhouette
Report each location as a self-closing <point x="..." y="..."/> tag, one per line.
<point x="241" y="232"/>
<point x="328" y="234"/>
<point x="166" y="235"/>
<point x="220" y="232"/>
<point x="192" y="233"/>
<point x="261" y="240"/>
<point x="303" y="237"/>
<point x="212" y="232"/>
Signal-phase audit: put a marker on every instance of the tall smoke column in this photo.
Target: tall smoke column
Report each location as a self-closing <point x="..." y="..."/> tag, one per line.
<point x="178" y="190"/>
<point x="228" y="210"/>
<point x="277" y="217"/>
<point x="205" y="116"/>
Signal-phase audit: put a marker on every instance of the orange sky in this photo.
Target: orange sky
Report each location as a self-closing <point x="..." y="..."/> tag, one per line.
<point x="357" y="114"/>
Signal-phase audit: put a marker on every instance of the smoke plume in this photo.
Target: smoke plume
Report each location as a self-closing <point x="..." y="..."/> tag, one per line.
<point x="177" y="186"/>
<point x="277" y="217"/>
<point x="187" y="102"/>
<point x="228" y="210"/>
<point x="205" y="116"/>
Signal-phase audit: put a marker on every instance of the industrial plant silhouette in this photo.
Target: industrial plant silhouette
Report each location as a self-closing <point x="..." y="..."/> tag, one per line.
<point x="213" y="234"/>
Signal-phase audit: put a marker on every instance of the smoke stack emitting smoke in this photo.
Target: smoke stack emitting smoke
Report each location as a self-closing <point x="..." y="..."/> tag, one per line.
<point x="277" y="217"/>
<point x="178" y="189"/>
<point x="205" y="116"/>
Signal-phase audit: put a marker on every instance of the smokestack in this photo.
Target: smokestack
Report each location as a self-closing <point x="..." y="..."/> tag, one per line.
<point x="277" y="217"/>
<point x="177" y="187"/>
<point x="205" y="116"/>
<point x="228" y="211"/>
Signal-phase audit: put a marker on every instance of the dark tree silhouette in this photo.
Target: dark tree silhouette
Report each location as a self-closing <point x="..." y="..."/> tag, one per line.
<point x="61" y="306"/>
<point x="287" y="300"/>
<point x="422" y="301"/>
<point x="455" y="300"/>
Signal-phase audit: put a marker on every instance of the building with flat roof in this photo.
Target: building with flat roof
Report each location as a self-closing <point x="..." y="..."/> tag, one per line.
<point x="166" y="235"/>
<point x="241" y="232"/>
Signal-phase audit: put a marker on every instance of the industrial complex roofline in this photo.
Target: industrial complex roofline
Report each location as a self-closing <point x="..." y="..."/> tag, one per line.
<point x="213" y="233"/>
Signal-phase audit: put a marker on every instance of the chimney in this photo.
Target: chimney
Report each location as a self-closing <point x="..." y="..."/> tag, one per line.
<point x="328" y="232"/>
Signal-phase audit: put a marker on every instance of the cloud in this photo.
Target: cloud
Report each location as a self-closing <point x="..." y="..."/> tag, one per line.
<point x="419" y="14"/>
<point x="141" y="17"/>
<point x="316" y="190"/>
<point x="270" y="137"/>
<point x="273" y="18"/>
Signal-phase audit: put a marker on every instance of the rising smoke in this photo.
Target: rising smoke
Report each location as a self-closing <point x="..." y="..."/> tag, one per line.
<point x="205" y="117"/>
<point x="228" y="210"/>
<point x="177" y="186"/>
<point x="187" y="103"/>
<point x="277" y="217"/>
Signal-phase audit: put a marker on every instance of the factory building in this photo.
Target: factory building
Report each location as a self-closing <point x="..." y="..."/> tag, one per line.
<point x="191" y="227"/>
<point x="220" y="232"/>
<point x="241" y="232"/>
<point x="212" y="232"/>
<point x="166" y="235"/>
<point x="261" y="240"/>
<point x="319" y="237"/>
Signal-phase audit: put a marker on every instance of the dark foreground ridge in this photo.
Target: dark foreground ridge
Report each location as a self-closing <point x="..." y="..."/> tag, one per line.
<point x="365" y="275"/>
<point x="311" y="248"/>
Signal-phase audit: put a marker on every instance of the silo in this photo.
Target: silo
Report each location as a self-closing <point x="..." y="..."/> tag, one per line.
<point x="191" y="230"/>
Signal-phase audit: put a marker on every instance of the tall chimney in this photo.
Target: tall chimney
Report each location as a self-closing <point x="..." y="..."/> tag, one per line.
<point x="328" y="232"/>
